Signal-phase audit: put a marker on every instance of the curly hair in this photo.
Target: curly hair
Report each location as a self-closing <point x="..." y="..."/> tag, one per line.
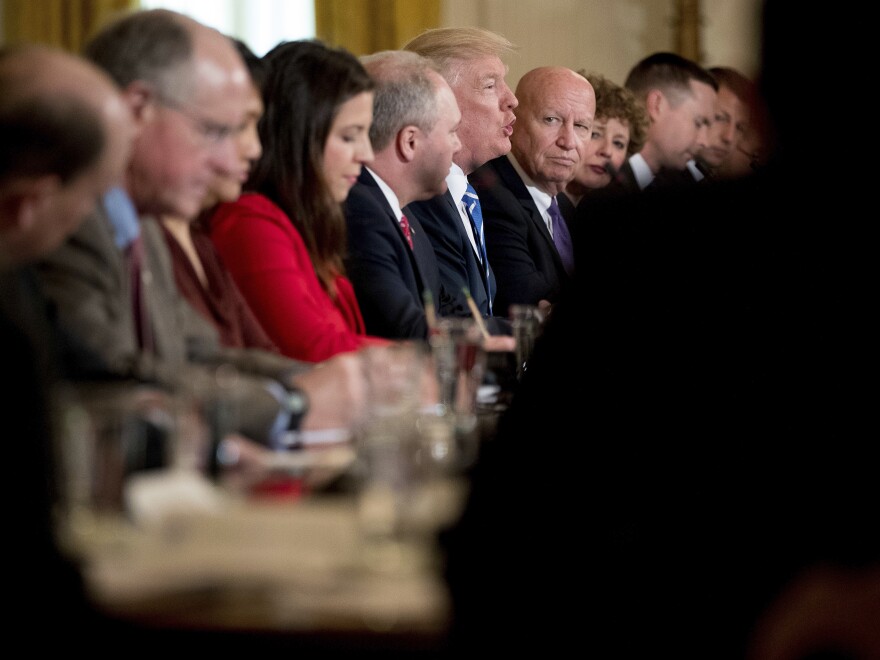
<point x="616" y="102"/>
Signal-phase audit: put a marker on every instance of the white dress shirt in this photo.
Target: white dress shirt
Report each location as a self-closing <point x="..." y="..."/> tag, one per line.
<point x="457" y="183"/>
<point x="542" y="200"/>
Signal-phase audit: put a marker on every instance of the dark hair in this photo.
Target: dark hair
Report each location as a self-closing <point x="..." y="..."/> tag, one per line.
<point x="45" y="131"/>
<point x="255" y="64"/>
<point x="306" y="84"/>
<point x="405" y="94"/>
<point x="616" y="102"/>
<point x="669" y="72"/>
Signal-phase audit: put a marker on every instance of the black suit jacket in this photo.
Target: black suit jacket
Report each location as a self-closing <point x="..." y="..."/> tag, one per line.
<point x="459" y="266"/>
<point x="32" y="485"/>
<point x="389" y="279"/>
<point x="526" y="262"/>
<point x="679" y="495"/>
<point x="623" y="182"/>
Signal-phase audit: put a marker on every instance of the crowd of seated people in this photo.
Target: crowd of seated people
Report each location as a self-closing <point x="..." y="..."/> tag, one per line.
<point x="208" y="206"/>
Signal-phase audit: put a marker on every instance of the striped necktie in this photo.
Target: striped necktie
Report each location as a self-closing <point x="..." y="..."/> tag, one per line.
<point x="472" y="204"/>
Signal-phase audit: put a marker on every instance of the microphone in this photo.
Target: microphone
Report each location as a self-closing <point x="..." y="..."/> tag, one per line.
<point x="610" y="169"/>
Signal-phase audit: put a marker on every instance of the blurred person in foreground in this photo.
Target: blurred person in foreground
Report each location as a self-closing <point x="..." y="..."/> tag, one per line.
<point x="712" y="492"/>
<point x="526" y="235"/>
<point x="112" y="282"/>
<point x="738" y="139"/>
<point x="470" y="60"/>
<point x="66" y="135"/>
<point x="201" y="276"/>
<point x="619" y="131"/>
<point x="284" y="239"/>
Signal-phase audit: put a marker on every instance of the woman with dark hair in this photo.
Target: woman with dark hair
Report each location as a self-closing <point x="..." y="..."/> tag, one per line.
<point x="284" y="239"/>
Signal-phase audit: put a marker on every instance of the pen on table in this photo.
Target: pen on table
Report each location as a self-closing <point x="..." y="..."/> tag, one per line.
<point x="430" y="315"/>
<point x="478" y="318"/>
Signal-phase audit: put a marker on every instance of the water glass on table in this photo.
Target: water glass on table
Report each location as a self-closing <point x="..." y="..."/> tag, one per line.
<point x="526" y="322"/>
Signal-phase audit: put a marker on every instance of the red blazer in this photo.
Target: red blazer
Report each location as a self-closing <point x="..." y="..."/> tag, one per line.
<point x="271" y="266"/>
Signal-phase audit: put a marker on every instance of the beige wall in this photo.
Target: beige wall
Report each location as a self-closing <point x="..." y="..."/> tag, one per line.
<point x="609" y="36"/>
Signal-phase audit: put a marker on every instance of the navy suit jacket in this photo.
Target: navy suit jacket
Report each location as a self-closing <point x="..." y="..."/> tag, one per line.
<point x="389" y="279"/>
<point x="520" y="248"/>
<point x="459" y="266"/>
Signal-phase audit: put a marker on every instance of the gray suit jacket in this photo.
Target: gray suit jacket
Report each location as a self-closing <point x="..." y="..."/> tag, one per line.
<point x="87" y="281"/>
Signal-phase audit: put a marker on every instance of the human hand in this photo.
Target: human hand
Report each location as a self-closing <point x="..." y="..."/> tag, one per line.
<point x="499" y="343"/>
<point x="544" y="308"/>
<point x="337" y="393"/>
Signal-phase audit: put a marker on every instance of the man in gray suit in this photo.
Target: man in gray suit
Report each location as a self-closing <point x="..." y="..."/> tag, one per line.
<point x="112" y="284"/>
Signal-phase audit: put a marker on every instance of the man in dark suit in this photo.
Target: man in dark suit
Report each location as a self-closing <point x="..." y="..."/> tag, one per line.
<point x="679" y="96"/>
<point x="390" y="261"/>
<point x="470" y="60"/>
<point x="525" y="233"/>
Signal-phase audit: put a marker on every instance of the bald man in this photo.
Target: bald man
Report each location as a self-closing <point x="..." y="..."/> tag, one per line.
<point x="66" y="136"/>
<point x="526" y="238"/>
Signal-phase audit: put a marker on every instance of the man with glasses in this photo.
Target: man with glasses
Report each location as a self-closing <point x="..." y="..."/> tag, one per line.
<point x="112" y="282"/>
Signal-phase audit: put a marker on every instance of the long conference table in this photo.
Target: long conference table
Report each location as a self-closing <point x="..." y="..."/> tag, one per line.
<point x="286" y="559"/>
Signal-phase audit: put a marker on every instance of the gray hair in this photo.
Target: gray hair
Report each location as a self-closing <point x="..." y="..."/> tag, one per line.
<point x="405" y="94"/>
<point x="156" y="46"/>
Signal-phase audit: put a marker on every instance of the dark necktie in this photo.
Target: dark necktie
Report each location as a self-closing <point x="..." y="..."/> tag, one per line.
<point x="472" y="204"/>
<point x="404" y="225"/>
<point x="135" y="256"/>
<point x="561" y="237"/>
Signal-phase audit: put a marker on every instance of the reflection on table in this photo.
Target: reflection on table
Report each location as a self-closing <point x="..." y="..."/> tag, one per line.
<point x="288" y="555"/>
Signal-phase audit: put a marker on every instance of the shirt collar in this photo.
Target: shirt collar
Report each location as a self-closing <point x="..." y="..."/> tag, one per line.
<point x="542" y="200"/>
<point x="122" y="215"/>
<point x="641" y="170"/>
<point x="390" y="195"/>
<point x="457" y="182"/>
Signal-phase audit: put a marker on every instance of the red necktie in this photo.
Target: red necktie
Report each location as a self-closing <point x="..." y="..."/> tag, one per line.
<point x="404" y="225"/>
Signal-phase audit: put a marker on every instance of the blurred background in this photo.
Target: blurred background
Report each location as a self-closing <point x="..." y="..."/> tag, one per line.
<point x="606" y="36"/>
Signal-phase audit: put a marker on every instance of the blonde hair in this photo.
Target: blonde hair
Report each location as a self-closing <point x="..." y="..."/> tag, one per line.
<point x="450" y="47"/>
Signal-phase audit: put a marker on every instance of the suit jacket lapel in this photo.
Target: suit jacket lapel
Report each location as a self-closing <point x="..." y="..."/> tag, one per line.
<point x="418" y="235"/>
<point x="517" y="186"/>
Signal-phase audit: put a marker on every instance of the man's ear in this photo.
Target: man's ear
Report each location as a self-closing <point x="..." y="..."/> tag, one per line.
<point x="26" y="197"/>
<point x="654" y="102"/>
<point x="142" y="98"/>
<point x="407" y="139"/>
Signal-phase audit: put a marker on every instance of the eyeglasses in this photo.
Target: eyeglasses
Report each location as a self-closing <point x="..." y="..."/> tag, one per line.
<point x="211" y="132"/>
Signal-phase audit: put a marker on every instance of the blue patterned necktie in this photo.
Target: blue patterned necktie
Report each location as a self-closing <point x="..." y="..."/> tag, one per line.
<point x="472" y="204"/>
<point x="561" y="237"/>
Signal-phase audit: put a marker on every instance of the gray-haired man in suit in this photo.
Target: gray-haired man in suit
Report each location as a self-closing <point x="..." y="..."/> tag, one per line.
<point x="111" y="281"/>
